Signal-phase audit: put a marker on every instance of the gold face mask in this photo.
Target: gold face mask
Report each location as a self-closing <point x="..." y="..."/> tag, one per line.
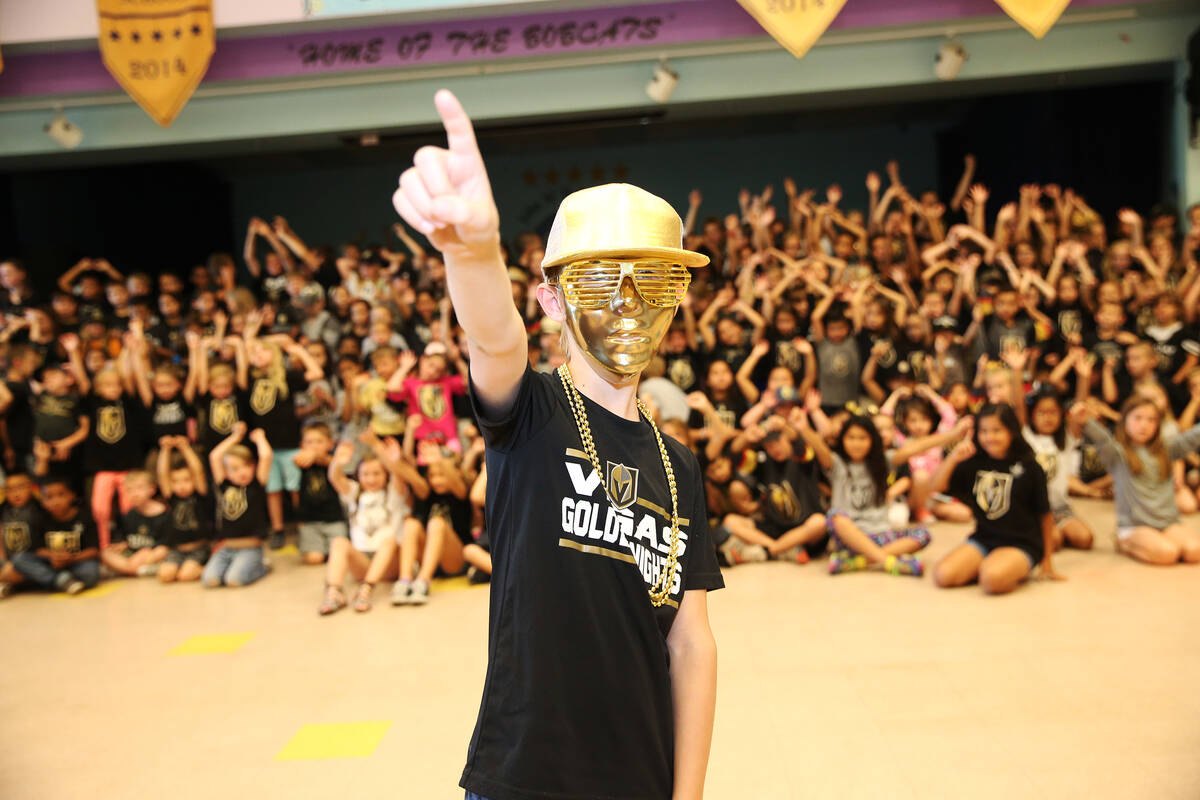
<point x="619" y="311"/>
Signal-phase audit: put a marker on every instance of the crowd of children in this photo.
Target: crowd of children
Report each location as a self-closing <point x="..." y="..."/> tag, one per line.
<point x="845" y="377"/>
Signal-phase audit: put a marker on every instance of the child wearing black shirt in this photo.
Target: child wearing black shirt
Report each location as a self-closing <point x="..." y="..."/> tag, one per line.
<point x="319" y="512"/>
<point x="444" y="526"/>
<point x="185" y="488"/>
<point x="20" y="517"/>
<point x="273" y="390"/>
<point x="59" y="423"/>
<point x="241" y="500"/>
<point x="64" y="553"/>
<point x="999" y="478"/>
<point x="138" y="543"/>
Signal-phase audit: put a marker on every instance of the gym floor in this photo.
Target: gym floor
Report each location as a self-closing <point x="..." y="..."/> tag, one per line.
<point x="857" y="686"/>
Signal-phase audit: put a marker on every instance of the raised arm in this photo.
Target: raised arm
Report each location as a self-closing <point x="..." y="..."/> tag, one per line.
<point x="265" y="455"/>
<point x="812" y="438"/>
<point x="964" y="182"/>
<point x="447" y="197"/>
<point x="165" y="444"/>
<point x="248" y="255"/>
<point x="216" y="458"/>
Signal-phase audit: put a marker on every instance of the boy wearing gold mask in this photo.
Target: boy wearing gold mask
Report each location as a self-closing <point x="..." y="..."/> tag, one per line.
<point x="601" y="676"/>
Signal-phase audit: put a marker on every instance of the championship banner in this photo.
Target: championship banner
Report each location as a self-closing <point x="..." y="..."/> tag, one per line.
<point x="795" y="24"/>
<point x="158" y="50"/>
<point x="1035" y="16"/>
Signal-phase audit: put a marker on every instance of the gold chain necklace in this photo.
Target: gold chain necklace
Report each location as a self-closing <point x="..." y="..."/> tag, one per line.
<point x="661" y="590"/>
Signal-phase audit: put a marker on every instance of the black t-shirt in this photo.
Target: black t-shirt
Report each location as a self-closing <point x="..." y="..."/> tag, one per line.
<point x="887" y="368"/>
<point x="19" y="526"/>
<point x="215" y="418"/>
<point x="787" y="492"/>
<point x="577" y="699"/>
<point x="318" y="500"/>
<point x="56" y="416"/>
<point x="74" y="535"/>
<point x="169" y="417"/>
<point x="140" y="531"/>
<point x="117" y="437"/>
<point x="190" y="519"/>
<point x="997" y="337"/>
<point x="1008" y="499"/>
<point x="273" y="412"/>
<point x="684" y="369"/>
<point x="241" y="510"/>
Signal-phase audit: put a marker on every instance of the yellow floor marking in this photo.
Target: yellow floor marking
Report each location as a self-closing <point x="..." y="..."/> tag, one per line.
<point x="207" y="643"/>
<point x="99" y="590"/>
<point x="335" y="740"/>
<point x="286" y="550"/>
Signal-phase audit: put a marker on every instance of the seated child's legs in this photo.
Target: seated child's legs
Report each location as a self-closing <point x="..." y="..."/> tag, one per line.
<point x="35" y="569"/>
<point x="86" y="571"/>
<point x="245" y="566"/>
<point x="904" y="541"/>
<point x="168" y="571"/>
<point x="1149" y="545"/>
<point x="9" y="573"/>
<point x="1188" y="541"/>
<point x="119" y="561"/>
<point x="1003" y="569"/>
<point x="315" y="539"/>
<point x="952" y="511"/>
<point x="190" y="571"/>
<point x="1075" y="532"/>
<point x="104" y="486"/>
<point x="959" y="567"/>
<point x="214" y="571"/>
<point x="477" y="557"/>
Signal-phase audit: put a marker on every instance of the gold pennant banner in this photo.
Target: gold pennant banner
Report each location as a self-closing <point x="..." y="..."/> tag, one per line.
<point x="158" y="50"/>
<point x="1035" y="16"/>
<point x="795" y="24"/>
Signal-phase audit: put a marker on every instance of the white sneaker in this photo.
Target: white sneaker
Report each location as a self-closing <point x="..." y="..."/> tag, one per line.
<point x="5" y="589"/>
<point x="147" y="570"/>
<point x="402" y="593"/>
<point x="74" y="587"/>
<point x="419" y="595"/>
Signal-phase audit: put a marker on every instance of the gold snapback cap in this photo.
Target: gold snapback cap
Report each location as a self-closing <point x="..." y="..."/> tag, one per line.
<point x="617" y="220"/>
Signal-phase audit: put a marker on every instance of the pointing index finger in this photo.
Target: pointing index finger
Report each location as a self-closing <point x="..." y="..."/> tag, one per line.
<point x="460" y="134"/>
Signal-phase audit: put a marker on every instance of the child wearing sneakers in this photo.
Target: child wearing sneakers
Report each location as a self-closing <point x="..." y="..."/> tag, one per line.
<point x="857" y="521"/>
<point x="241" y="495"/>
<point x="139" y="538"/>
<point x="376" y="507"/>
<point x="183" y="484"/>
<point x="442" y="526"/>
<point x="64" y="555"/>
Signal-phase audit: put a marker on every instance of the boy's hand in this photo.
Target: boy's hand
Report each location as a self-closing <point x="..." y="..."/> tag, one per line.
<point x="446" y="194"/>
<point x="259" y="437"/>
<point x="239" y="430"/>
<point x="343" y="453"/>
<point x="963" y="450"/>
<point x="303" y="459"/>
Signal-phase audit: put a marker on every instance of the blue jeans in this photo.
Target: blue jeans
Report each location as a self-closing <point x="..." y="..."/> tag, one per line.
<point x="234" y="567"/>
<point x="37" y="570"/>
<point x="473" y="796"/>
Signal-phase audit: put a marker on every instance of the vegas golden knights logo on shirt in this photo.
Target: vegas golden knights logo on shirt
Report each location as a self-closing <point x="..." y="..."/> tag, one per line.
<point x="622" y="485"/>
<point x="432" y="401"/>
<point x="110" y="425"/>
<point x="183" y="517"/>
<point x="1049" y="464"/>
<point x="68" y="541"/>
<point x="262" y="398"/>
<point x="233" y="502"/>
<point x="993" y="492"/>
<point x="783" y="499"/>
<point x="316" y="483"/>
<point x="222" y="415"/>
<point x="16" y="537"/>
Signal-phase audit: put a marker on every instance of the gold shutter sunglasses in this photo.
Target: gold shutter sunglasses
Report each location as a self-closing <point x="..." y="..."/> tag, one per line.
<point x="592" y="284"/>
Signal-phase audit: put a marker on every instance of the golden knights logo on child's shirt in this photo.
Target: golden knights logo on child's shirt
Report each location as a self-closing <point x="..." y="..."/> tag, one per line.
<point x="432" y="401"/>
<point x="16" y="537"/>
<point x="222" y="414"/>
<point x="183" y="517"/>
<point x="627" y="528"/>
<point x="993" y="492"/>
<point x="68" y="541"/>
<point x="263" y="396"/>
<point x="1049" y="464"/>
<point x="110" y="424"/>
<point x="233" y="502"/>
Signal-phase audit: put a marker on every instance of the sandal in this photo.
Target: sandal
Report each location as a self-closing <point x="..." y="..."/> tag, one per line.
<point x="335" y="600"/>
<point x="362" y="600"/>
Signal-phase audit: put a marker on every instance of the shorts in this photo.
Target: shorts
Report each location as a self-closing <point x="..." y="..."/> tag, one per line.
<point x="883" y="539"/>
<point x="179" y="557"/>
<point x="1062" y="514"/>
<point x="984" y="550"/>
<point x="316" y="537"/>
<point x="284" y="472"/>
